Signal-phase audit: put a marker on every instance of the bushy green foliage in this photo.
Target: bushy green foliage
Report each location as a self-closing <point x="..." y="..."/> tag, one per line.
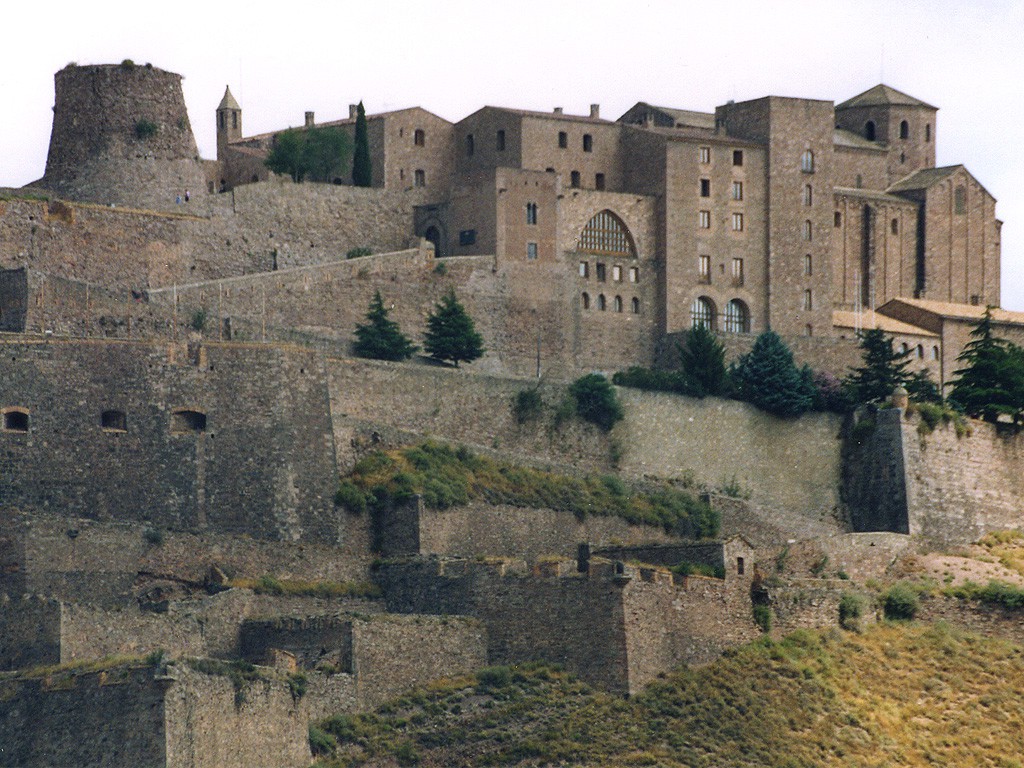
<point x="321" y="743"/>
<point x="768" y="378"/>
<point x="311" y="154"/>
<point x="358" y="252"/>
<point x="272" y="585"/>
<point x="702" y="359"/>
<point x="653" y="379"/>
<point x="686" y="568"/>
<point x="900" y="602"/>
<point x="362" y="173"/>
<point x="146" y="129"/>
<point x="991" y="383"/>
<point x="198" y="320"/>
<point x="527" y="405"/>
<point x="492" y="678"/>
<point x="447" y="477"/>
<point x="995" y="592"/>
<point x="451" y="334"/>
<point x="380" y="338"/>
<point x="884" y="369"/>
<point x="596" y="400"/>
<point x="763" y="617"/>
<point x="851" y="608"/>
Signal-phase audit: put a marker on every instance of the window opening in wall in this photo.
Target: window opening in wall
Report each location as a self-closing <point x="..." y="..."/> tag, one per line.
<point x="904" y="130"/>
<point x="869" y="130"/>
<point x="531" y="213"/>
<point x="808" y="330"/>
<point x="563" y="140"/>
<point x="617" y="304"/>
<point x="636" y="305"/>
<point x="467" y="237"/>
<point x="420" y="178"/>
<point x="739" y="566"/>
<point x="600" y="273"/>
<point x="737" y="157"/>
<point x="470" y="145"/>
<point x="584" y="269"/>
<point x="960" y="200"/>
<point x="737" y="222"/>
<point x="617" y="273"/>
<point x="574" y="179"/>
<point x="808" y="233"/>
<point x="705" y="187"/>
<point x="904" y="347"/>
<point x="975" y="299"/>
<point x="935" y="353"/>
<point x="234" y="120"/>
<point x="807" y="162"/>
<point x="531" y="251"/>
<point x="860" y="181"/>
<point x="419" y="138"/>
<point x="185" y="421"/>
<point x="602" y="304"/>
<point x="737" y="272"/>
<point x="704" y="268"/>
<point x="808" y="265"/>
<point x="588" y="142"/>
<point x="920" y="352"/>
<point x="808" y="299"/>
<point x="16" y="420"/>
<point x="586" y="300"/>
<point x="928" y="132"/>
<point x="737" y="190"/>
<point x="704" y="155"/>
<point x="605" y="234"/>
<point x="903" y="158"/>
<point x="499" y="143"/>
<point x="634" y="275"/>
<point x="838" y="219"/>
<point x="808" y="195"/>
<point x="114" y="421"/>
<point x="704" y="219"/>
<point x="702" y="313"/>
<point x="894" y="225"/>
<point x="599" y="181"/>
<point x="737" y="317"/>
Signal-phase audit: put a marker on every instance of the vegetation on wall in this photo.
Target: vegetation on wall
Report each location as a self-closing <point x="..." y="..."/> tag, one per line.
<point x="596" y="401"/>
<point x="380" y="338"/>
<point x="447" y="477"/>
<point x="146" y="129"/>
<point x="313" y="154"/>
<point x="451" y="334"/>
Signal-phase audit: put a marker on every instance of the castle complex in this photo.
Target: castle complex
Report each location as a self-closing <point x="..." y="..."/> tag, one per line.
<point x="178" y="399"/>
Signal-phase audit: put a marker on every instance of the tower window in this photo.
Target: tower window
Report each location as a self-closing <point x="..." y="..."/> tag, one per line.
<point x="563" y="140"/>
<point x="808" y="232"/>
<point x="704" y="268"/>
<point x="574" y="179"/>
<point x="636" y="305"/>
<point x="928" y="132"/>
<point x="419" y="138"/>
<point x="470" y="145"/>
<point x="960" y="200"/>
<point x="420" y="178"/>
<point x="113" y="421"/>
<point x="737" y="222"/>
<point x="531" y="251"/>
<point x="185" y="421"/>
<point x="808" y="195"/>
<point x="737" y="157"/>
<point x="704" y="155"/>
<point x="869" y="130"/>
<point x="904" y="130"/>
<point x="588" y="142"/>
<point x="599" y="181"/>
<point x="499" y="143"/>
<point x="807" y="162"/>
<point x="894" y="225"/>
<point x="705" y="187"/>
<point x="808" y="300"/>
<point x="704" y="219"/>
<point x="531" y="213"/>
<point x="808" y="265"/>
<point x="702" y="313"/>
<point x="737" y="190"/>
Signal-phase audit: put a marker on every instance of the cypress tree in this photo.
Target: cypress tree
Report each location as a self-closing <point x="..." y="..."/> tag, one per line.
<point x="380" y="338"/>
<point x="451" y="334"/>
<point x="361" y="171"/>
<point x="768" y="378"/>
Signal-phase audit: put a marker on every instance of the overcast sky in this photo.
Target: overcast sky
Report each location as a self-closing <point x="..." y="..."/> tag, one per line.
<point x="452" y="57"/>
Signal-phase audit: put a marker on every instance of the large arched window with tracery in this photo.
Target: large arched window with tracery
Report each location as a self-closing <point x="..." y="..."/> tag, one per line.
<point x="606" y="235"/>
<point x="737" y="317"/>
<point x="702" y="312"/>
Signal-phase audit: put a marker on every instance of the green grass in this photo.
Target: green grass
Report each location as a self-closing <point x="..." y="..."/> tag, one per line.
<point x="896" y="695"/>
<point x="271" y="585"/>
<point x="446" y="477"/>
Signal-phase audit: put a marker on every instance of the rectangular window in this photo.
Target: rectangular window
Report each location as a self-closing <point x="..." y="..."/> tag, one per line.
<point x="584" y="269"/>
<point x="420" y="178"/>
<point x="531" y="251"/>
<point x="499" y="143"/>
<point x="737" y="271"/>
<point x="563" y="140"/>
<point x="617" y="273"/>
<point x="705" y="219"/>
<point x="705" y="187"/>
<point x="531" y="213"/>
<point x="588" y="142"/>
<point x="704" y="155"/>
<point x="737" y="190"/>
<point x="737" y="222"/>
<point x="808" y="265"/>
<point x="634" y="275"/>
<point x="467" y="237"/>
<point x="808" y="300"/>
<point x="737" y="157"/>
<point x="960" y="200"/>
<point x="574" y="179"/>
<point x="704" y="268"/>
<point x="600" y="272"/>
<point x="599" y="181"/>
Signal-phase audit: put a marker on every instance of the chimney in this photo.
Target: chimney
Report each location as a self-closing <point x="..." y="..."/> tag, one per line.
<point x="558" y="110"/>
<point x="353" y="111"/>
<point x="309" y="120"/>
<point x="595" y="111"/>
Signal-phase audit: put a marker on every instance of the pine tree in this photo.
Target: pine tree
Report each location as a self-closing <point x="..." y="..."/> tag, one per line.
<point x="884" y="369"/>
<point x="361" y="171"/>
<point x="380" y="338"/>
<point x="768" y="378"/>
<point x="451" y="334"/>
<point x="991" y="383"/>
<point x="703" y="363"/>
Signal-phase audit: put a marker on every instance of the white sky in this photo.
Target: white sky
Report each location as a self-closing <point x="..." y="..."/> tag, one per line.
<point x="454" y="56"/>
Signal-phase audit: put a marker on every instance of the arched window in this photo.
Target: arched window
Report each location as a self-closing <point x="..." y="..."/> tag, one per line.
<point x="605" y="234"/>
<point x="808" y="299"/>
<point x="808" y="230"/>
<point x="186" y="421"/>
<point x="617" y="304"/>
<point x="586" y="300"/>
<point x="737" y="317"/>
<point x="904" y="130"/>
<point x="16" y="419"/>
<point x="601" y="303"/>
<point x="920" y="352"/>
<point x="419" y="138"/>
<point x="935" y="353"/>
<point x="636" y="305"/>
<point x="807" y="162"/>
<point x="702" y="313"/>
<point x="808" y="195"/>
<point x="869" y="130"/>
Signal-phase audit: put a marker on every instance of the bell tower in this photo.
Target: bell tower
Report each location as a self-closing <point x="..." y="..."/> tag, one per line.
<point x="229" y="122"/>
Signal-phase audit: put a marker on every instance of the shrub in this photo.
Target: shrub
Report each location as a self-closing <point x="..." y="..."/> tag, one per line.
<point x="767" y="378"/>
<point x="596" y="401"/>
<point x="851" y="607"/>
<point x="297" y="685"/>
<point x="900" y="603"/>
<point x="527" y="405"/>
<point x="350" y="497"/>
<point x="359" y="252"/>
<point x="321" y="743"/>
<point x="145" y="129"/>
<point x="652" y="379"/>
<point x="492" y="678"/>
<point x="153" y="535"/>
<point x="127" y="65"/>
<point x="763" y="617"/>
<point x="686" y="568"/>
<point x="198" y="320"/>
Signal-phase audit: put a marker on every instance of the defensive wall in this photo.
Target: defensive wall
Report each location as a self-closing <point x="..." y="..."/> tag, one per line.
<point x="947" y="485"/>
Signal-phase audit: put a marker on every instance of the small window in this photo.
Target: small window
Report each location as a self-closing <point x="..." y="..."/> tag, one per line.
<point x="960" y="200"/>
<point x="894" y="226"/>
<point x="737" y="157"/>
<point x="531" y="213"/>
<point x="808" y="265"/>
<point x="704" y="155"/>
<point x="584" y="269"/>
<point x="807" y="162"/>
<point x="928" y="132"/>
<point x="470" y="145"/>
<point x="808" y="299"/>
<point x="419" y="138"/>
<point x="113" y="421"/>
<point x="531" y="251"/>
<point x="739" y="566"/>
<point x="737" y="222"/>
<point x="705" y="187"/>
<point x="704" y="268"/>
<point x="935" y="353"/>
<point x="808" y="233"/>
<point x="704" y="219"/>
<point x="499" y="143"/>
<point x="869" y="130"/>
<point x="420" y="178"/>
<point x="808" y="330"/>
<point x="737" y="271"/>
<point x="904" y="348"/>
<point x="616" y="273"/>
<point x="234" y="120"/>
<point x="634" y="275"/>
<point x="600" y="272"/>
<point x="737" y="190"/>
<point x="574" y="179"/>
<point x="837" y="219"/>
<point x="920" y="352"/>
<point x="563" y="140"/>
<point x="599" y="181"/>
<point x="602" y="304"/>
<point x="636" y="305"/>
<point x="860" y="181"/>
<point x="808" y="195"/>
<point x="617" y="304"/>
<point x="185" y="421"/>
<point x="586" y="300"/>
<point x="467" y="237"/>
<point x="16" y="420"/>
<point x="588" y="142"/>
<point x="904" y="130"/>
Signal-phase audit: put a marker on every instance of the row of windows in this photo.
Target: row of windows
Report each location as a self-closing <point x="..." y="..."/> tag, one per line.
<point x="616" y="303"/>
<point x="499" y="142"/>
<point x="894" y="225"/>
<point x="704" y="220"/>
<point x="735" y="318"/>
<point x="601" y="272"/>
<point x="737" y="189"/>
<point x="870" y="130"/>
<point x="575" y="180"/>
<point x="704" y="157"/>
<point x="704" y="270"/>
<point x="17" y="419"/>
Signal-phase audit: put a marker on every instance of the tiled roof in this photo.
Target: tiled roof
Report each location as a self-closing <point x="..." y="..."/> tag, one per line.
<point x="844" y="319"/>
<point x="924" y="178"/>
<point x="871" y="194"/>
<point x="962" y="311"/>
<point x="843" y="138"/>
<point x="883" y="95"/>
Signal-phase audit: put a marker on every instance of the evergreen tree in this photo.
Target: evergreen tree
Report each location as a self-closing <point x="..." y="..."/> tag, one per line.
<point x="286" y="155"/>
<point x="361" y="171"/>
<point x="317" y="154"/>
<point x="703" y="363"/>
<point x="596" y="400"/>
<point x="768" y="378"/>
<point x="380" y="338"/>
<point x="451" y="334"/>
<point x="884" y="369"/>
<point x="991" y="383"/>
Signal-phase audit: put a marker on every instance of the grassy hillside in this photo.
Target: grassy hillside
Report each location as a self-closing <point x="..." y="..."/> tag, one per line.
<point x="898" y="695"/>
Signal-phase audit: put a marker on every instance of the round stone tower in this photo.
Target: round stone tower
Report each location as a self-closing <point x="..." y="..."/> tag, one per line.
<point x="121" y="135"/>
